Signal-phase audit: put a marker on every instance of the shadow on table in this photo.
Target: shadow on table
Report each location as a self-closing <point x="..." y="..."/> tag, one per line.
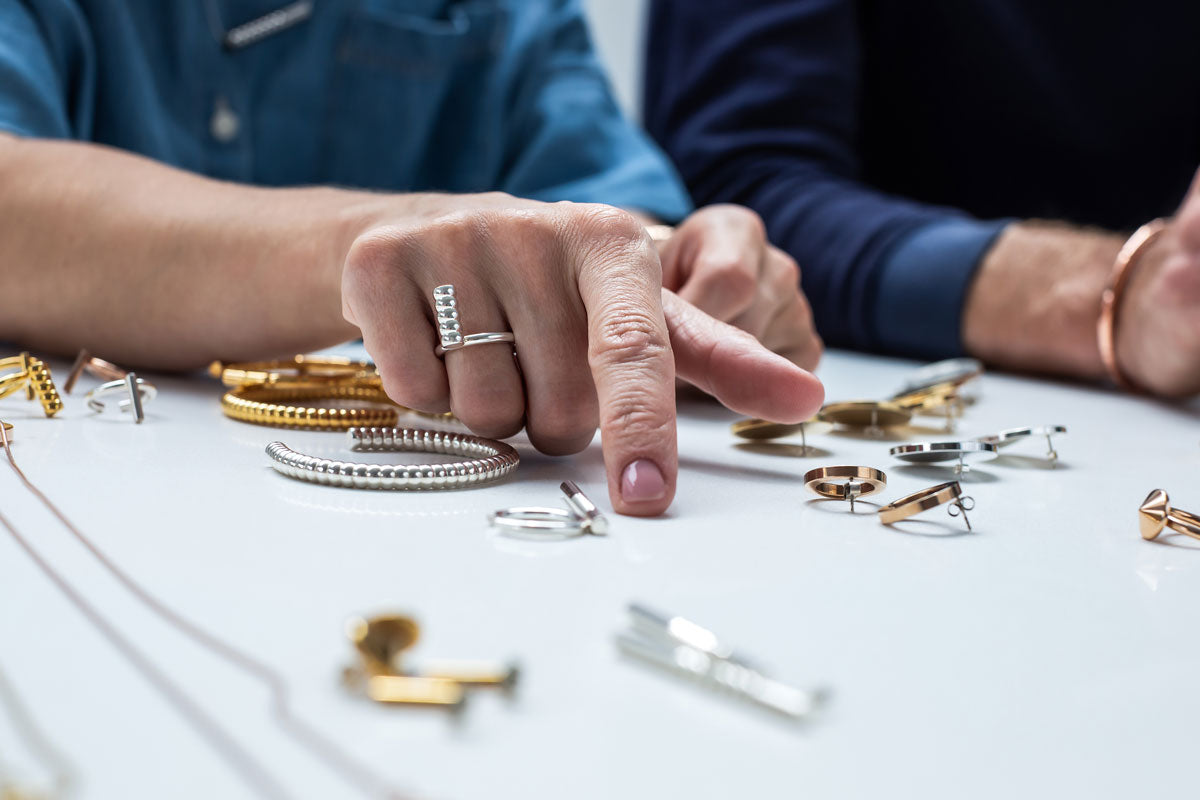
<point x="930" y="529"/>
<point x="1015" y="461"/>
<point x="783" y="449"/>
<point x="943" y="474"/>
<point x="822" y="504"/>
<point x="723" y="470"/>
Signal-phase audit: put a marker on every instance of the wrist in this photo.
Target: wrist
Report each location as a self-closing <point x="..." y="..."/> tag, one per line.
<point x="1035" y="303"/>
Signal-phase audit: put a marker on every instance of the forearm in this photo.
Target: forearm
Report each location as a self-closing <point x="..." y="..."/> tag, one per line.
<point x="1035" y="301"/>
<point x="152" y="266"/>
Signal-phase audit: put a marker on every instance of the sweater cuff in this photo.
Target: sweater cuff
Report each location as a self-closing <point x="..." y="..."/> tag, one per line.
<point x="923" y="284"/>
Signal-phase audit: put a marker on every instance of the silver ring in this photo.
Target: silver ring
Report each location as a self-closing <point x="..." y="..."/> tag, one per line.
<point x="537" y="522"/>
<point x="475" y="338"/>
<point x="137" y="392"/>
<point x="488" y="461"/>
<point x="445" y="307"/>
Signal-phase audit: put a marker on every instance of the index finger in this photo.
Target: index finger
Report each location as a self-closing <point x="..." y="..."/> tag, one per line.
<point x="629" y="351"/>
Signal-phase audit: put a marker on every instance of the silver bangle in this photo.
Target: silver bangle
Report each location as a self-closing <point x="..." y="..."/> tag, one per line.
<point x="489" y="460"/>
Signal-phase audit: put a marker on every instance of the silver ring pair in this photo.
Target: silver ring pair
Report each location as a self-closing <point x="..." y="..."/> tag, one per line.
<point x="445" y="306"/>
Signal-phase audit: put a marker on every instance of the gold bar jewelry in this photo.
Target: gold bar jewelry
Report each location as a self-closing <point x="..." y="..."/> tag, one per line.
<point x="382" y="641"/>
<point x="845" y="483"/>
<point x="97" y="367"/>
<point x="870" y="415"/>
<point x="34" y="376"/>
<point x="926" y="499"/>
<point x="299" y="368"/>
<point x="271" y="404"/>
<point x="1155" y="513"/>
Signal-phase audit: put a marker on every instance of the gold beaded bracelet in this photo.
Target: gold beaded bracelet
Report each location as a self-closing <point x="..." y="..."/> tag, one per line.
<point x="271" y="405"/>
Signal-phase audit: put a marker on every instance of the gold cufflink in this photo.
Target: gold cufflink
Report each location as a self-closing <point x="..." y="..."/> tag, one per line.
<point x="33" y="376"/>
<point x="384" y="677"/>
<point x="1155" y="513"/>
<point x="845" y="483"/>
<point x="870" y="416"/>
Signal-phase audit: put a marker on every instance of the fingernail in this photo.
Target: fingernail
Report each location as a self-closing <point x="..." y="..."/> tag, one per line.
<point x="642" y="481"/>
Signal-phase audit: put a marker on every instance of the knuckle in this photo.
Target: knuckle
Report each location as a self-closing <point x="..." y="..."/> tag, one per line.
<point x="608" y="227"/>
<point x="635" y="419"/>
<point x="628" y="337"/>
<point x="746" y="217"/>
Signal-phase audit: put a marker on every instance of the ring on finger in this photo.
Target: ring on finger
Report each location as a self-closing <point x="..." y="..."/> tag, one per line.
<point x="445" y="306"/>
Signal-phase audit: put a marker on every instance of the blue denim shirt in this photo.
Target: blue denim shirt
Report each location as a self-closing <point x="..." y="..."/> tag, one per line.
<point x="399" y="95"/>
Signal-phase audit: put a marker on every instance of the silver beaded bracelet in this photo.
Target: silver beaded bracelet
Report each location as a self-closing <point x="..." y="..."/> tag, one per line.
<point x="488" y="460"/>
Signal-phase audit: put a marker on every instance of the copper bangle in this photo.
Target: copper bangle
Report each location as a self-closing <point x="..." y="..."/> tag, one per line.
<point x="1110" y="300"/>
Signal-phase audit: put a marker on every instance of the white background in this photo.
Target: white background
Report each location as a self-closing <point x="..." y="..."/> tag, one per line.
<point x="1050" y="653"/>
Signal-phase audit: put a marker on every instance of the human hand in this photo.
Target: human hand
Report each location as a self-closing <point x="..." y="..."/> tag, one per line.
<point x="719" y="259"/>
<point x="598" y="340"/>
<point x="1158" y="334"/>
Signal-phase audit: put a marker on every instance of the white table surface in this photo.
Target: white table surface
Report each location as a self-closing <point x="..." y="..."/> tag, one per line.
<point x="1051" y="652"/>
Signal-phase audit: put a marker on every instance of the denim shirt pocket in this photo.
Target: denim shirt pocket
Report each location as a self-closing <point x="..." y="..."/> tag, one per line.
<point x="414" y="101"/>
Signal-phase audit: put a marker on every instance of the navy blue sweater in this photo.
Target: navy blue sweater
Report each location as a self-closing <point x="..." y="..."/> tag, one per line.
<point x="885" y="142"/>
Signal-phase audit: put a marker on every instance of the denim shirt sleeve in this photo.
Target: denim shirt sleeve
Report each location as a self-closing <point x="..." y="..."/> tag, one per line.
<point x="567" y="139"/>
<point x="46" y="80"/>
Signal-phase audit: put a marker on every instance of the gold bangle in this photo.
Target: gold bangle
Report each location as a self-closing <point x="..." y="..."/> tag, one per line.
<point x="855" y="482"/>
<point x="270" y="405"/>
<point x="934" y="496"/>
<point x="297" y="369"/>
<point x="1110" y="300"/>
<point x="34" y="376"/>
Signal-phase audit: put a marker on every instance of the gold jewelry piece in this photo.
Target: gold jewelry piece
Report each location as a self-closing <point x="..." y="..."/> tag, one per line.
<point x="7" y="430"/>
<point x="97" y="367"/>
<point x="34" y="376"/>
<point x="1155" y="513"/>
<point x="870" y="415"/>
<point x="1110" y="300"/>
<point x="845" y="483"/>
<point x="296" y="369"/>
<point x="940" y="397"/>
<point x="934" y="496"/>
<point x="270" y="404"/>
<point x="380" y="642"/>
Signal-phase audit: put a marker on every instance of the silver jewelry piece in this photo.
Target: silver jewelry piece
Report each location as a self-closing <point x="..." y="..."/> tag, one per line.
<point x="952" y="370"/>
<point x="690" y="651"/>
<point x="1005" y="438"/>
<point x="488" y="460"/>
<point x="537" y="521"/>
<point x="445" y="307"/>
<point x="938" y="452"/>
<point x="137" y="393"/>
